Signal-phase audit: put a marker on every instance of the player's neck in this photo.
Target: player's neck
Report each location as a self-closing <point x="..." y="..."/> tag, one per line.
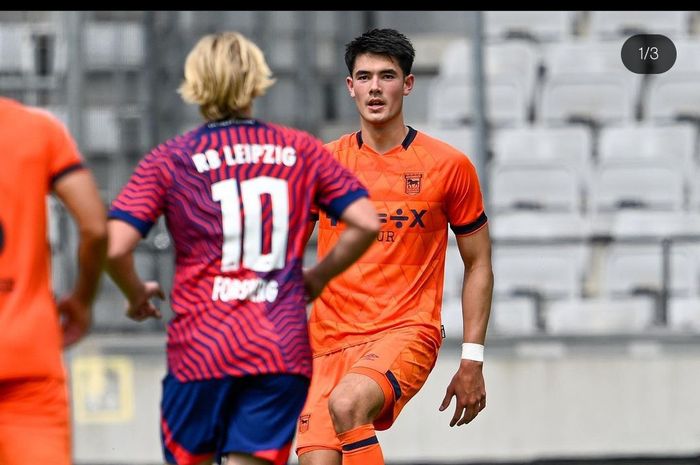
<point x="383" y="138"/>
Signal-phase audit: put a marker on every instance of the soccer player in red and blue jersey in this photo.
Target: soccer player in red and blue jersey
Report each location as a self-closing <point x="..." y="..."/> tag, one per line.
<point x="236" y="194"/>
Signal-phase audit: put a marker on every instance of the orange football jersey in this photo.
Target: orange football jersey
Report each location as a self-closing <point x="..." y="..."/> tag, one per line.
<point x="36" y="150"/>
<point x="418" y="188"/>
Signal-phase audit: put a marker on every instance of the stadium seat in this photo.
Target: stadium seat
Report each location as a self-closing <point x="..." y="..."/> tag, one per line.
<point x="641" y="143"/>
<point x="450" y="102"/>
<point x="609" y="24"/>
<point x="674" y="98"/>
<point x="536" y="25"/>
<point x="569" y="146"/>
<point x="638" y="268"/>
<point x="513" y="316"/>
<point x="674" y="94"/>
<point x="586" y="80"/>
<point x="596" y="100"/>
<point x="510" y="75"/>
<point x="516" y="60"/>
<point x="460" y="137"/>
<point x="600" y="316"/>
<point x="112" y="45"/>
<point x="685" y="268"/>
<point x="16" y="49"/>
<point x="694" y="188"/>
<point x="630" y="224"/>
<point x="548" y="271"/>
<point x="630" y="269"/>
<point x="544" y="225"/>
<point x="107" y="129"/>
<point x="684" y="314"/>
<point x="552" y="187"/>
<point x="657" y="186"/>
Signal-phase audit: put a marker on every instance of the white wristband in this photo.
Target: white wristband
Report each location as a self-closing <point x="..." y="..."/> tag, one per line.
<point x="473" y="352"/>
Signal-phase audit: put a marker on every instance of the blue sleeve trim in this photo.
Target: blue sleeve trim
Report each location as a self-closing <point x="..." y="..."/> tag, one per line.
<point x="338" y="206"/>
<point x="143" y="226"/>
<point x="471" y="227"/>
<point x="65" y="171"/>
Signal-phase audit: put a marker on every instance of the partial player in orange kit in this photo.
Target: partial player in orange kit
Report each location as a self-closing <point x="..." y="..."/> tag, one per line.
<point x="40" y="157"/>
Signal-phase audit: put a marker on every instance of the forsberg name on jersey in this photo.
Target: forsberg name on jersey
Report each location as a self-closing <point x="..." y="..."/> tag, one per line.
<point x="239" y="154"/>
<point x="255" y="290"/>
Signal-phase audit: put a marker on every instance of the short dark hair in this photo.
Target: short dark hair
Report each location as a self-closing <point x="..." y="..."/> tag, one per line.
<point x="389" y="42"/>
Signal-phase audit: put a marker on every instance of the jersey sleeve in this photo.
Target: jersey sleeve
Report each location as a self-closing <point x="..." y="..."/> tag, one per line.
<point x="63" y="153"/>
<point x="465" y="204"/>
<point x="337" y="187"/>
<point x="142" y="199"/>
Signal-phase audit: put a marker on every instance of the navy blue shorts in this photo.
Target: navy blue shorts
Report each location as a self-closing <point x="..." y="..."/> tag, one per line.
<point x="253" y="415"/>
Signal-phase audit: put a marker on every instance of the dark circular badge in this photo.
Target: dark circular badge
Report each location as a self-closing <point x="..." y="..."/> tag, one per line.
<point x="648" y="54"/>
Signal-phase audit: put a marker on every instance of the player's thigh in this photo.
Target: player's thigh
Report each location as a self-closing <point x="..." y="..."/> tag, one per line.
<point x="400" y="364"/>
<point x="34" y="422"/>
<point x="264" y="416"/>
<point x="358" y="397"/>
<point x="315" y="429"/>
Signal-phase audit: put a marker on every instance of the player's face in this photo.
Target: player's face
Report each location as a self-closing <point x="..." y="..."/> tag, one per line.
<point x="378" y="86"/>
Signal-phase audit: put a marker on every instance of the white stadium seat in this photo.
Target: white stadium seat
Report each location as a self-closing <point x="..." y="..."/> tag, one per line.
<point x="600" y="316"/>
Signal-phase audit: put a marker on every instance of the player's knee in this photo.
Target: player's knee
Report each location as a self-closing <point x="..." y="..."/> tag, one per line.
<point x="346" y="409"/>
<point x="342" y="406"/>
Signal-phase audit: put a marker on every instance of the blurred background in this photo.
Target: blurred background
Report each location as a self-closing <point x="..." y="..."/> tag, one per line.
<point x="591" y="176"/>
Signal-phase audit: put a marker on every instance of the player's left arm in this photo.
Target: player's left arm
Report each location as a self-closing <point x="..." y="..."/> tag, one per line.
<point x="467" y="385"/>
<point x="123" y="239"/>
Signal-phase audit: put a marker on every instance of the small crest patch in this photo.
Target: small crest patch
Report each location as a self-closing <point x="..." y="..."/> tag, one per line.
<point x="304" y="423"/>
<point x="413" y="182"/>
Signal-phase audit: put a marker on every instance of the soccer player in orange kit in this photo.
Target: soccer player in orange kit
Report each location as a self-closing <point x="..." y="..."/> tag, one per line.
<point x="39" y="156"/>
<point x="376" y="329"/>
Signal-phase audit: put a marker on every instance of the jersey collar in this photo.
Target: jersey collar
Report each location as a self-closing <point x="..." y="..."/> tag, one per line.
<point x="406" y="141"/>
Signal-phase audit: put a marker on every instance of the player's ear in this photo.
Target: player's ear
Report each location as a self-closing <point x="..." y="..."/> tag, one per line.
<point x="351" y="87"/>
<point x="408" y="84"/>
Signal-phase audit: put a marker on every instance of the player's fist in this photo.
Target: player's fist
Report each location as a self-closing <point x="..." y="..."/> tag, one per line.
<point x="140" y="307"/>
<point x="76" y="318"/>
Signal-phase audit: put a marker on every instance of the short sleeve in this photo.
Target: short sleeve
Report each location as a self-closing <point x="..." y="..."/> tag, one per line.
<point x="465" y="205"/>
<point x="142" y="199"/>
<point x="336" y="186"/>
<point x="63" y="153"/>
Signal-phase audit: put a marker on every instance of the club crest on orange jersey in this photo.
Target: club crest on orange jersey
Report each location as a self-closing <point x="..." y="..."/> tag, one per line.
<point x="413" y="183"/>
<point x="304" y="423"/>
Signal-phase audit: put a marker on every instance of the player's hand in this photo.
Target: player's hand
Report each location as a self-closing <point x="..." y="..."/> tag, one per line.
<point x="468" y="387"/>
<point x="314" y="284"/>
<point x="76" y="318"/>
<point x="140" y="306"/>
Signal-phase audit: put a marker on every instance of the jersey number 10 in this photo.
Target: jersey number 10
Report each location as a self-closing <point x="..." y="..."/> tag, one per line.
<point x="226" y="192"/>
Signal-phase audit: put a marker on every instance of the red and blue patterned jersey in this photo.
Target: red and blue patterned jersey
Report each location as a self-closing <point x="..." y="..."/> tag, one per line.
<point x="237" y="196"/>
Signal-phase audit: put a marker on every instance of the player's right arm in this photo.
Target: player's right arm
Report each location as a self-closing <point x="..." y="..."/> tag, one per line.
<point x="123" y="239"/>
<point x="78" y="192"/>
<point x="362" y="226"/>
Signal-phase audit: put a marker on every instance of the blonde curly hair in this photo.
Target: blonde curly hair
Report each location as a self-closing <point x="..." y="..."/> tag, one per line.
<point x="224" y="72"/>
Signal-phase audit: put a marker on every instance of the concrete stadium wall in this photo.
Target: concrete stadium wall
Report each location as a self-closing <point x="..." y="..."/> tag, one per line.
<point x="544" y="400"/>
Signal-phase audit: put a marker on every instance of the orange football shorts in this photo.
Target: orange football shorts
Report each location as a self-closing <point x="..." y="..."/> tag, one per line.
<point x="399" y="362"/>
<point x="34" y="422"/>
